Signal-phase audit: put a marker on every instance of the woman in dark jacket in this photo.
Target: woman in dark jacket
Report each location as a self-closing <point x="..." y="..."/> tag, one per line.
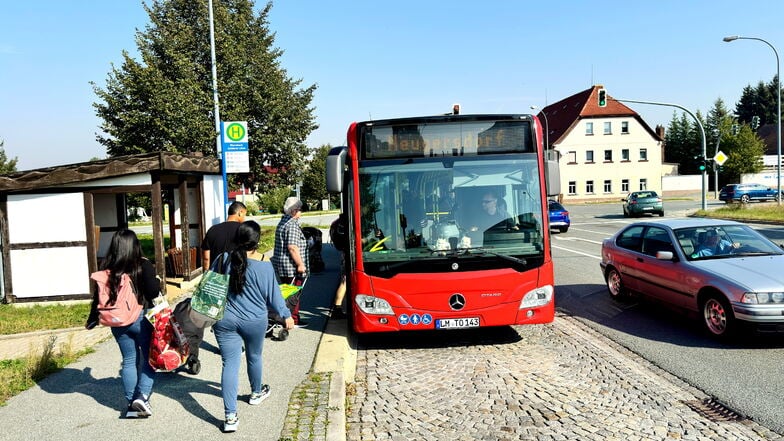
<point x="125" y="257"/>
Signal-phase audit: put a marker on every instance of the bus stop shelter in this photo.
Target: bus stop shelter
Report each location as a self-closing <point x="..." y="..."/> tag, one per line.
<point x="56" y="223"/>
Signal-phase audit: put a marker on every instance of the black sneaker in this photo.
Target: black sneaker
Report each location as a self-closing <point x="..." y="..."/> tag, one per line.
<point x="193" y="365"/>
<point x="131" y="412"/>
<point x="338" y="313"/>
<point x="142" y="406"/>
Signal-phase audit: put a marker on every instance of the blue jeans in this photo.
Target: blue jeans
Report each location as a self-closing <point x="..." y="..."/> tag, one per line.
<point x="231" y="333"/>
<point x="136" y="373"/>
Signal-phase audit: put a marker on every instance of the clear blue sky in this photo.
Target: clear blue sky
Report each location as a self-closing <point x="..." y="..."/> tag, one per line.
<point x="404" y="58"/>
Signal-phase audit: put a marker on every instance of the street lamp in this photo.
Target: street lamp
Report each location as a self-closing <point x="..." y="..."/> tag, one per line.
<point x="778" y="113"/>
<point x="546" y="129"/>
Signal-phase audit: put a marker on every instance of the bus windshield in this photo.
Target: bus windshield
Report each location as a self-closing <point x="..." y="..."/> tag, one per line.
<point x="428" y="208"/>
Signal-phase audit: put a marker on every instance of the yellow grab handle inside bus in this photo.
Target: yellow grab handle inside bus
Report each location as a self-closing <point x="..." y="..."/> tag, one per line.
<point x="377" y="246"/>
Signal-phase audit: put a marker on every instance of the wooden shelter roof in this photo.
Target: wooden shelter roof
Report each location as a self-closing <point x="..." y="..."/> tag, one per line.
<point x="73" y="174"/>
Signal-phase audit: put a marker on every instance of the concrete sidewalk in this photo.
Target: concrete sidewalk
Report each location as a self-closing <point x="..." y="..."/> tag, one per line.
<point x="85" y="400"/>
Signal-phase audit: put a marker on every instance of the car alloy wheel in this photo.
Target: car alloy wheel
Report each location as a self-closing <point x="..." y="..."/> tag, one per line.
<point x="744" y="199"/>
<point x="615" y="284"/>
<point x="717" y="316"/>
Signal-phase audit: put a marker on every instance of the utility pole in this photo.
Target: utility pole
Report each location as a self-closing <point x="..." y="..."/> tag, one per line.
<point x="716" y="167"/>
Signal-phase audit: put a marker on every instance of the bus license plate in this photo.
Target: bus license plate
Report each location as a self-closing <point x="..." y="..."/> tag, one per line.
<point x="455" y="323"/>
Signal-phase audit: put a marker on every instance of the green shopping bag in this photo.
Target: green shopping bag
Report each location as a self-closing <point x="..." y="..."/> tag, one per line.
<point x="289" y="290"/>
<point x="209" y="298"/>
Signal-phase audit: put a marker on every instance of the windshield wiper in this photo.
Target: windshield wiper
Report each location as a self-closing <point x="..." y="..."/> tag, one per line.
<point x="480" y="251"/>
<point x="754" y="253"/>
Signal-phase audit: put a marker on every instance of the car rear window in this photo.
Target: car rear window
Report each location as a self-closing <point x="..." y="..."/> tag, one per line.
<point x="555" y="206"/>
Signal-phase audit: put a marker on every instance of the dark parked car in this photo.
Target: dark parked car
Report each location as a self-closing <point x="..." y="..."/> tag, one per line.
<point x="559" y="217"/>
<point x="638" y="203"/>
<point x="723" y="271"/>
<point x="746" y="193"/>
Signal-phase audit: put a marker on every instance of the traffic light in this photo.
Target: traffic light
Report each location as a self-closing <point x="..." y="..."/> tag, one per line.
<point x="755" y="122"/>
<point x="602" y="98"/>
<point x="705" y="164"/>
<point x="735" y="129"/>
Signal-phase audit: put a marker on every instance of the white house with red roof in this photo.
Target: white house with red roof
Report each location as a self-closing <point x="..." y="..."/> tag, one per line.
<point x="605" y="152"/>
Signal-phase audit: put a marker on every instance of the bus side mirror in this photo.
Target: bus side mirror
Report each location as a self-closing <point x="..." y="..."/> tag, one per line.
<point x="336" y="165"/>
<point x="552" y="176"/>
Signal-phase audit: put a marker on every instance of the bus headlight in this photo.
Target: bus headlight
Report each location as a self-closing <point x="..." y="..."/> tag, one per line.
<point x="373" y="305"/>
<point x="537" y="297"/>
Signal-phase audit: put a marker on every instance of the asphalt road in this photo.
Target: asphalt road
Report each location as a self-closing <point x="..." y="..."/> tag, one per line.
<point x="744" y="375"/>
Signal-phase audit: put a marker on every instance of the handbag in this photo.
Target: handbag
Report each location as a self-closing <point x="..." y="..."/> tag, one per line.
<point x="169" y="348"/>
<point x="209" y="297"/>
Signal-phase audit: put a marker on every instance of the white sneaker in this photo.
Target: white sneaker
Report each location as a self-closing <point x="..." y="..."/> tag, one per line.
<point x="258" y="397"/>
<point x="231" y="423"/>
<point x="142" y="407"/>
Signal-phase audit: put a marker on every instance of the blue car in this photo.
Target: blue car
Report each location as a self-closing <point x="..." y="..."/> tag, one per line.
<point x="745" y="193"/>
<point x="559" y="217"/>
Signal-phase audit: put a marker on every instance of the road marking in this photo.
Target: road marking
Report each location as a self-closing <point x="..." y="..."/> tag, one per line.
<point x="576" y="252"/>
<point x="575" y="239"/>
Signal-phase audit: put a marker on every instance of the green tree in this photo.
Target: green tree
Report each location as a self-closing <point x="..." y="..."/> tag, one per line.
<point x="744" y="151"/>
<point x="164" y="102"/>
<point x="272" y="200"/>
<point x="6" y="166"/>
<point x="715" y="123"/>
<point x="758" y="101"/>
<point x="682" y="143"/>
<point x="314" y="179"/>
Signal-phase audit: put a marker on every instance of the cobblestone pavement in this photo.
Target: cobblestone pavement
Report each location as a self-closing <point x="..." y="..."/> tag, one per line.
<point x="560" y="381"/>
<point x="306" y="418"/>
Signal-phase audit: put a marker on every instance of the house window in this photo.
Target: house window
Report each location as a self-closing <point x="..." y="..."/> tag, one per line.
<point x="571" y="157"/>
<point x="624" y="185"/>
<point x="643" y="154"/>
<point x="624" y="127"/>
<point x="589" y="128"/>
<point x="624" y="154"/>
<point x="589" y="156"/>
<point x="608" y="156"/>
<point x="608" y="128"/>
<point x="607" y="186"/>
<point x="572" y="187"/>
<point x="643" y="184"/>
<point x="589" y="187"/>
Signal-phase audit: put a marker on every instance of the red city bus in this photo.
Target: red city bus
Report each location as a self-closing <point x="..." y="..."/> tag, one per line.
<point x="447" y="222"/>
